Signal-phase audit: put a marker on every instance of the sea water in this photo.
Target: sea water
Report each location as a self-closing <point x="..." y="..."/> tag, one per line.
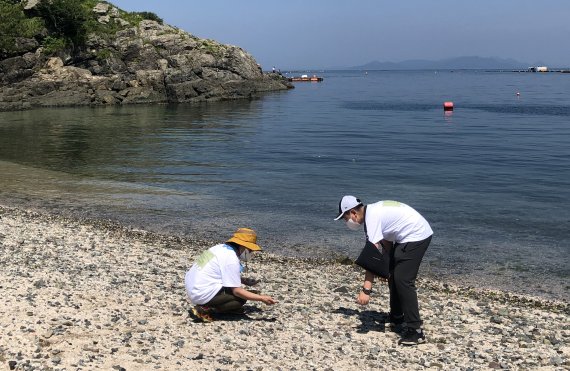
<point x="492" y="177"/>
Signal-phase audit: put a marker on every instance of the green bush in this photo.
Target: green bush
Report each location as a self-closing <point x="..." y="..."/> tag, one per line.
<point x="68" y="22"/>
<point x="149" y="16"/>
<point x="65" y="19"/>
<point x="104" y="54"/>
<point x="15" y="24"/>
<point x="53" y="45"/>
<point x="212" y="47"/>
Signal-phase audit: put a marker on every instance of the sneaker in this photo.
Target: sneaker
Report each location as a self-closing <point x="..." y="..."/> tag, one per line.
<point x="203" y="313"/>
<point x="413" y="336"/>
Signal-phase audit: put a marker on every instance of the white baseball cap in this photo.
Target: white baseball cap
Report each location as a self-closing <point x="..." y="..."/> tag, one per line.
<point x="346" y="203"/>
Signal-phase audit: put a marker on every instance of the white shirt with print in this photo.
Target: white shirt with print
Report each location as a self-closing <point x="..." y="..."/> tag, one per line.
<point x="215" y="268"/>
<point x="395" y="221"/>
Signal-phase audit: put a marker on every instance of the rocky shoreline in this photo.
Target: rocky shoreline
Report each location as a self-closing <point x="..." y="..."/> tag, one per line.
<point x="127" y="60"/>
<point x="96" y="295"/>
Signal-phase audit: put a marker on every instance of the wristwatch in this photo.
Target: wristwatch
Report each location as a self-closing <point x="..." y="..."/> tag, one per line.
<point x="367" y="291"/>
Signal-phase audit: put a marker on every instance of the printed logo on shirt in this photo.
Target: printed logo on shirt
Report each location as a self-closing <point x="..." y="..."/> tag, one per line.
<point x="392" y="203"/>
<point x="204" y="258"/>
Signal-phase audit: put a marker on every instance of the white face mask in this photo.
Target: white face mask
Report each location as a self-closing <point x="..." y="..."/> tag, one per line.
<point x="245" y="255"/>
<point x="352" y="225"/>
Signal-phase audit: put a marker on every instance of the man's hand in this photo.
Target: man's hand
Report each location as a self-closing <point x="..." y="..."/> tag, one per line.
<point x="267" y="300"/>
<point x="363" y="299"/>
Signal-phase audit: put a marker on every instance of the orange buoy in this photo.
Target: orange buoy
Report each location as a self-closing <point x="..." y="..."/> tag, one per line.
<point x="448" y="106"/>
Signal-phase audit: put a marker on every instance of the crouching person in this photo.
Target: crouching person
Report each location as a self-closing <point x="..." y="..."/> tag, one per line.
<point x="213" y="284"/>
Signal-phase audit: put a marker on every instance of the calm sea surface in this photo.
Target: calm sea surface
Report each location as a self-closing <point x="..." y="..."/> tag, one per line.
<point x="492" y="178"/>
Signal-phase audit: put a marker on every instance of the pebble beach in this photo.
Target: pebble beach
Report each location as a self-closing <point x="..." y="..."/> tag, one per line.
<point x="88" y="294"/>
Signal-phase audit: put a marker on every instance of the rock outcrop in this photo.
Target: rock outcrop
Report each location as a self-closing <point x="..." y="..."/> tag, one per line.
<point x="146" y="62"/>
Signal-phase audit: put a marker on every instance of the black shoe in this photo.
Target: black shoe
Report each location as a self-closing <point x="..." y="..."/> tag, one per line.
<point x="413" y="336"/>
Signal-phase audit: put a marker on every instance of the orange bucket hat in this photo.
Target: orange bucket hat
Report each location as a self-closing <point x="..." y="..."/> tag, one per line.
<point x="247" y="238"/>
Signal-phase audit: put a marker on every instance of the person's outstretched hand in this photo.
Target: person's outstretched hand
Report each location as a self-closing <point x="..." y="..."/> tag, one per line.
<point x="267" y="300"/>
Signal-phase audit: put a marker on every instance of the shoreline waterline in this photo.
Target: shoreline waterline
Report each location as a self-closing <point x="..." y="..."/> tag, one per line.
<point x="200" y="243"/>
<point x="430" y="268"/>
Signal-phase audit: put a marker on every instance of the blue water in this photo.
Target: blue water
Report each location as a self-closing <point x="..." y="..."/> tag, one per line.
<point x="492" y="178"/>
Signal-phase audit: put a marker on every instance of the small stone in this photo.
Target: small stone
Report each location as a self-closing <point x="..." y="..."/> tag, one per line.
<point x="496" y="319"/>
<point x="12" y="365"/>
<point x="494" y="365"/>
<point x="554" y="340"/>
<point x="342" y="289"/>
<point x="503" y="312"/>
<point x="39" y="284"/>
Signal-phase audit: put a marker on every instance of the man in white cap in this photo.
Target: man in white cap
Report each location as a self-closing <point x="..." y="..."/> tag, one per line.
<point x="214" y="282"/>
<point x="407" y="235"/>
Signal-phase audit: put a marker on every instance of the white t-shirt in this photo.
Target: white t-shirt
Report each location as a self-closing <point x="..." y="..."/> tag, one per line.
<point x="215" y="268"/>
<point x="396" y="222"/>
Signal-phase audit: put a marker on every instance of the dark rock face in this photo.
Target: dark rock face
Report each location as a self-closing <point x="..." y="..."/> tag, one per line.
<point x="147" y="63"/>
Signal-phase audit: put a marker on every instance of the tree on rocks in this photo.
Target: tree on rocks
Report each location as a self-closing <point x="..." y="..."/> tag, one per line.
<point x="66" y="19"/>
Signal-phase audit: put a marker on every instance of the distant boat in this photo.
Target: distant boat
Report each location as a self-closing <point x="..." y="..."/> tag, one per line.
<point x="313" y="78"/>
<point x="538" y="69"/>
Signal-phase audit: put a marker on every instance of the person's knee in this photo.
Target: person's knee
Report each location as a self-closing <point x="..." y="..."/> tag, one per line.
<point x="403" y="283"/>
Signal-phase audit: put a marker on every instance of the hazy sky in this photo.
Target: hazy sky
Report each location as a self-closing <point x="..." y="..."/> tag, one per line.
<point x="335" y="33"/>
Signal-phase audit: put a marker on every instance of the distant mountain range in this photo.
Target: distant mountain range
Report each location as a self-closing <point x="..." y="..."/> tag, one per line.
<point x="445" y="64"/>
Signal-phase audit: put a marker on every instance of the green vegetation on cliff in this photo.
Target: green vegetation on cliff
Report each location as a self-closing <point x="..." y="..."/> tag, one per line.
<point x="89" y="52"/>
<point x="14" y="25"/>
<point x="57" y="24"/>
<point x="65" y="19"/>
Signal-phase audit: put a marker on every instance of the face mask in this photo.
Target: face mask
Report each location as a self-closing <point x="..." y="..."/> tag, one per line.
<point x="245" y="255"/>
<point x="352" y="225"/>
